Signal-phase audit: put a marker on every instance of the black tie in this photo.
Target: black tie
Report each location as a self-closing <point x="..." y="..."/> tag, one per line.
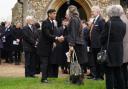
<point x="52" y="25"/>
<point x="31" y="28"/>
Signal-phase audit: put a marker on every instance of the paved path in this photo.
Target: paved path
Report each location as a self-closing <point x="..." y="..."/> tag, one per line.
<point x="11" y="70"/>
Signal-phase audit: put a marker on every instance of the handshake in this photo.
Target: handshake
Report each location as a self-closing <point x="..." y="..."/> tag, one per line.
<point x="60" y="39"/>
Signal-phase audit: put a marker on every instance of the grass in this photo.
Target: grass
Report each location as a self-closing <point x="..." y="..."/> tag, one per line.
<point x="34" y="83"/>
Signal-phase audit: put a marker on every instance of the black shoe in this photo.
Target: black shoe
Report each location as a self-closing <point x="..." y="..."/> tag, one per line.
<point x="44" y="80"/>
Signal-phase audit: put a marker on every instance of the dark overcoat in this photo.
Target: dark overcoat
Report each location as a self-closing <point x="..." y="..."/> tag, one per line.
<point x="29" y="38"/>
<point x="115" y="49"/>
<point x="46" y="39"/>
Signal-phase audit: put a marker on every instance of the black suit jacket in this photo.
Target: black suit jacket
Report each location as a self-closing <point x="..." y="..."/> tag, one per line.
<point x="96" y="32"/>
<point x="9" y="38"/>
<point x="29" y="38"/>
<point x="47" y="38"/>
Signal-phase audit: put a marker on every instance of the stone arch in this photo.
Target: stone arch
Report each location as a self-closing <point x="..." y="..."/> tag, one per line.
<point x="56" y="4"/>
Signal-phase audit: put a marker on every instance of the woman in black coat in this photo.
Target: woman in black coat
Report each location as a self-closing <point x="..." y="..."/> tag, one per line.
<point x="17" y="43"/>
<point x="115" y="49"/>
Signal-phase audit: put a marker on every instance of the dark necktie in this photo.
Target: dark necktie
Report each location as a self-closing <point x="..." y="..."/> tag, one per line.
<point x="31" y="27"/>
<point x="52" y="25"/>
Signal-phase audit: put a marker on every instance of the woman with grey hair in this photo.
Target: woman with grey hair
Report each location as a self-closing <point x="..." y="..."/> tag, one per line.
<point x="75" y="38"/>
<point x="115" y="49"/>
<point x="125" y="45"/>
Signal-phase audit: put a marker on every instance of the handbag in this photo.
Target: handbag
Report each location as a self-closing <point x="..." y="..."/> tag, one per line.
<point x="76" y="75"/>
<point x="75" y="68"/>
<point x="102" y="56"/>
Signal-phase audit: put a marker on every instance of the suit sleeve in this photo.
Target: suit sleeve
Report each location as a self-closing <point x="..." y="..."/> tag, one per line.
<point x="102" y="24"/>
<point x="104" y="34"/>
<point x="46" y="31"/>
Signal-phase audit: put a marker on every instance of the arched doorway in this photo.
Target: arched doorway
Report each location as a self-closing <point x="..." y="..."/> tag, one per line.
<point x="85" y="6"/>
<point x="62" y="10"/>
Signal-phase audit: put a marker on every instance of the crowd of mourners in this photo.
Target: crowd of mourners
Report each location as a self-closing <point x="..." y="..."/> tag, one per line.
<point x="47" y="47"/>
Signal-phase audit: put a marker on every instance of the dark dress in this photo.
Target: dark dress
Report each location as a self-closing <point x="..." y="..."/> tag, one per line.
<point x="86" y="44"/>
<point x="58" y="56"/>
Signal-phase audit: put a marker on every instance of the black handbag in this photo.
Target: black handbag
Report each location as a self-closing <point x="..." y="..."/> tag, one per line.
<point x="102" y="56"/>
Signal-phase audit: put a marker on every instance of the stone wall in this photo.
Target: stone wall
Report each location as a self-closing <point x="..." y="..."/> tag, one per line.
<point x="17" y="13"/>
<point x="38" y="8"/>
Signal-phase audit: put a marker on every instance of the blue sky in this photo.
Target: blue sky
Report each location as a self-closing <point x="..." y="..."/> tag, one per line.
<point x="6" y="9"/>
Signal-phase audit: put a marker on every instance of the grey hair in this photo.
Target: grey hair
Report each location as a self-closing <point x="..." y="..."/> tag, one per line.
<point x="121" y="9"/>
<point x="114" y="10"/>
<point x="29" y="17"/>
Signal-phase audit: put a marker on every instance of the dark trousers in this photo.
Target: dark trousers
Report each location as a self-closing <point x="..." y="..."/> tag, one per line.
<point x="65" y="67"/>
<point x="37" y="64"/>
<point x="53" y="70"/>
<point x="29" y="63"/>
<point x="44" y="64"/>
<point x="17" y="55"/>
<point x="125" y="73"/>
<point x="8" y="55"/>
<point x="114" y="74"/>
<point x="97" y="69"/>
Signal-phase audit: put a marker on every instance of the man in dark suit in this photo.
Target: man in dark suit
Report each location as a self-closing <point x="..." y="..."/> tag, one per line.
<point x="95" y="32"/>
<point x="30" y="36"/>
<point x="8" y="40"/>
<point x="45" y="45"/>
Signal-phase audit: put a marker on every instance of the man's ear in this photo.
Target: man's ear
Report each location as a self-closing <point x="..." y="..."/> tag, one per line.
<point x="49" y="14"/>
